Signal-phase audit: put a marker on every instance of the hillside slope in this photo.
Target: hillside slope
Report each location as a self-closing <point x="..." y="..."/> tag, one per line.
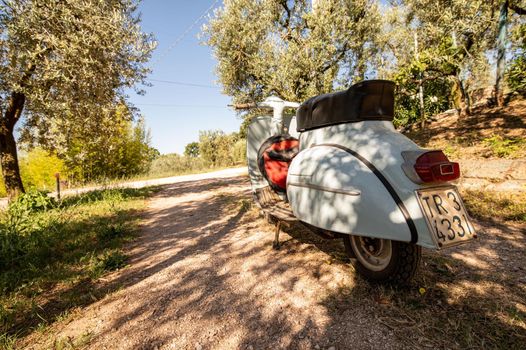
<point x="488" y="133"/>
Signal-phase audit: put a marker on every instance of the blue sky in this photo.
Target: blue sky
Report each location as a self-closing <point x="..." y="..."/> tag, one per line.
<point x="176" y="113"/>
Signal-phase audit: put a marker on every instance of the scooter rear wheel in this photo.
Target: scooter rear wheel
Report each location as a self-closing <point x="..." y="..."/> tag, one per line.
<point x="383" y="260"/>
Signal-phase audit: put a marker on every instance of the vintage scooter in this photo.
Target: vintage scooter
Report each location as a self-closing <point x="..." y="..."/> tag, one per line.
<point x="340" y="167"/>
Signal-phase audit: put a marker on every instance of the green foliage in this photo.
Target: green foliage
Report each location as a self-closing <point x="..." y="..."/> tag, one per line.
<point x="38" y="168"/>
<point x="216" y="147"/>
<point x="239" y="151"/>
<point x="7" y="341"/>
<point x="33" y="201"/>
<point x="285" y="48"/>
<point x="66" y="64"/>
<point x="516" y="74"/>
<point x="61" y="249"/>
<point x="120" y="148"/>
<point x="192" y="150"/>
<point x="505" y="147"/>
<point x="407" y="108"/>
<point x="175" y="164"/>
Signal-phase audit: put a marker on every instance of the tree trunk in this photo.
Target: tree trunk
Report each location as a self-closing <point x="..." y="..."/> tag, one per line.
<point x="420" y="88"/>
<point x="465" y="97"/>
<point x="8" y="151"/>
<point x="421" y="103"/>
<point x="501" y="54"/>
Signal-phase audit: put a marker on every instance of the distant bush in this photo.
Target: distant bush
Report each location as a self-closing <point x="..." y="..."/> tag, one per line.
<point x="221" y="149"/>
<point x="239" y="151"/>
<point x="173" y="164"/>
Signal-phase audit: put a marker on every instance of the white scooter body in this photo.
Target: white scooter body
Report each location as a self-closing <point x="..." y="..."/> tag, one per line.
<point x="349" y="177"/>
<point x="332" y="189"/>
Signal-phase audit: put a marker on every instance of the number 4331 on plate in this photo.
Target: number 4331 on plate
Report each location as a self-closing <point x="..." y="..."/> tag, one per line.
<point x="446" y="215"/>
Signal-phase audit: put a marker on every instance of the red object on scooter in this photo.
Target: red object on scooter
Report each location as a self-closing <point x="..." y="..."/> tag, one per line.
<point x="275" y="156"/>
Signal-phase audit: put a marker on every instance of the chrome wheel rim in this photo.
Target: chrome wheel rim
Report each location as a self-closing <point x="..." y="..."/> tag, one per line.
<point x="373" y="253"/>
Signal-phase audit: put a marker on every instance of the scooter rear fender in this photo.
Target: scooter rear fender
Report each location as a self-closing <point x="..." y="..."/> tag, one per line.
<point x="348" y="178"/>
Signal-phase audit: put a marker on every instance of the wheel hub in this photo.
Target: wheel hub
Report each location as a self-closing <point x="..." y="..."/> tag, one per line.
<point x="374" y="253"/>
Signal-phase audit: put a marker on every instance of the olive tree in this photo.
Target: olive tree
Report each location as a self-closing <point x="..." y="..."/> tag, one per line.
<point x="289" y="49"/>
<point x="64" y="64"/>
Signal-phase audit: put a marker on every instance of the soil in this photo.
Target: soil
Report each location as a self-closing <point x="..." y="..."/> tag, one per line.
<point x="468" y="136"/>
<point x="203" y="275"/>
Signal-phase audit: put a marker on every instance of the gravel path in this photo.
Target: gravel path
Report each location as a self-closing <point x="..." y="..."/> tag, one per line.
<point x="203" y="275"/>
<point x="218" y="174"/>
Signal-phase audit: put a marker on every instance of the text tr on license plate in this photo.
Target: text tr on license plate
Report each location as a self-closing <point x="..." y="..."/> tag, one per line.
<point x="446" y="215"/>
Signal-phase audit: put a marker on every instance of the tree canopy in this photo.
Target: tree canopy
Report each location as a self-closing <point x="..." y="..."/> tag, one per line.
<point x="438" y="51"/>
<point x="64" y="66"/>
<point x="281" y="47"/>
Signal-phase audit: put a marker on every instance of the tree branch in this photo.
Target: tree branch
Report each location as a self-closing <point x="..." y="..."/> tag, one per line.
<point x="518" y="10"/>
<point x="340" y="56"/>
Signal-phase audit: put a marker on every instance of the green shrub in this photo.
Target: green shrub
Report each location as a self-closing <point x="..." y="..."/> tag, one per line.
<point x="516" y="75"/>
<point x="505" y="147"/>
<point x="173" y="164"/>
<point x="110" y="261"/>
<point x="33" y="201"/>
<point x="239" y="152"/>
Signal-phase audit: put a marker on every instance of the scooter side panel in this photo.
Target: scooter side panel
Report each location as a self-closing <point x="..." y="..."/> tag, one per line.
<point x="382" y="145"/>
<point x="331" y="189"/>
<point x="259" y="130"/>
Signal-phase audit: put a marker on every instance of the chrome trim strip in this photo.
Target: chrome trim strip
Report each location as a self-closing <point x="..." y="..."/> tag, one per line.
<point x="323" y="188"/>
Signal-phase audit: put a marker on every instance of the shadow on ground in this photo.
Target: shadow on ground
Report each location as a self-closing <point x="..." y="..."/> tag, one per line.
<point x="203" y="275"/>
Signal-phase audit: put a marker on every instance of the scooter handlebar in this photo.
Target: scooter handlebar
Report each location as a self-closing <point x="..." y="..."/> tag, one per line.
<point x="271" y="102"/>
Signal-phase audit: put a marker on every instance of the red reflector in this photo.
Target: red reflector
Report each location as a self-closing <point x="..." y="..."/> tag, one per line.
<point x="434" y="166"/>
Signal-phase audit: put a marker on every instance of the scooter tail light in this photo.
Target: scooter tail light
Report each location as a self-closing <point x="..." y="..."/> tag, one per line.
<point x="434" y="166"/>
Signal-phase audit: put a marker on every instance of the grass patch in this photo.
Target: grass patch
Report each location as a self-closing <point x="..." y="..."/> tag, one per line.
<point x="491" y="205"/>
<point x="52" y="254"/>
<point x="504" y="147"/>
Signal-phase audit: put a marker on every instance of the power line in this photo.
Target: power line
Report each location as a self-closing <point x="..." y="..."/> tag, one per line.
<point x="183" y="83"/>
<point x="178" y="106"/>
<point x="183" y="35"/>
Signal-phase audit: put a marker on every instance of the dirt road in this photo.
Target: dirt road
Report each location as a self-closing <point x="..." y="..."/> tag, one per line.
<point x="218" y="174"/>
<point x="203" y="275"/>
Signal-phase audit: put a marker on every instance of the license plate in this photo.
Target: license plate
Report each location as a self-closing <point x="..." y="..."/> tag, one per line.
<point x="446" y="216"/>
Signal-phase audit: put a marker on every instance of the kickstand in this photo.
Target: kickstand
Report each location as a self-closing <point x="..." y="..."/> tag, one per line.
<point x="275" y="244"/>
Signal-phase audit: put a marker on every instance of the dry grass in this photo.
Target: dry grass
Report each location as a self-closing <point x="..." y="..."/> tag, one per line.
<point x="496" y="205"/>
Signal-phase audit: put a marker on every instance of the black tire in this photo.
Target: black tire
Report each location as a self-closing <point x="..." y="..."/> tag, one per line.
<point x="401" y="267"/>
